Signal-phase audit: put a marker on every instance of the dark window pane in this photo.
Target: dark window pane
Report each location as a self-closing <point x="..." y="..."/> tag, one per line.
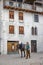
<point x="32" y="30"/>
<point x="18" y="0"/>
<point x="35" y="31"/>
<point x="11" y="3"/>
<point x="36" y="18"/>
<point x="13" y="0"/>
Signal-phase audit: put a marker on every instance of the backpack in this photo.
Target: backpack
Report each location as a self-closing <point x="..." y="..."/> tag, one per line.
<point x="27" y="47"/>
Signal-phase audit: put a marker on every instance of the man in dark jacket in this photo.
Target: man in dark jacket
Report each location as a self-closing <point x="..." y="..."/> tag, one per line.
<point x="22" y="49"/>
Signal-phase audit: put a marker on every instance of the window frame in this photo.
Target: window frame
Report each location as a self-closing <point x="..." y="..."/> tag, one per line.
<point x="20" y="15"/>
<point x="21" y="31"/>
<point x="33" y="31"/>
<point x="12" y="29"/>
<point x="11" y="14"/>
<point x="36" y="18"/>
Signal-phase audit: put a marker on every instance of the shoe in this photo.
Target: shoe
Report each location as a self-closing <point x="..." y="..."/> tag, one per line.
<point x="26" y="58"/>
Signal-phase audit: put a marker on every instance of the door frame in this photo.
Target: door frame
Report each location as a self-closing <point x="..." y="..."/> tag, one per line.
<point x="12" y="42"/>
<point x="34" y="46"/>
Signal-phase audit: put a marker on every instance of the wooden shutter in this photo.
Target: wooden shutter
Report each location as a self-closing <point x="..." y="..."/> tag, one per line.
<point x="21" y="30"/>
<point x="20" y="15"/>
<point x="11" y="14"/>
<point x="11" y="29"/>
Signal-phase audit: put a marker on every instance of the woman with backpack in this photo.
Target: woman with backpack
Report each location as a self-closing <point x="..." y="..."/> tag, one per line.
<point x="27" y="50"/>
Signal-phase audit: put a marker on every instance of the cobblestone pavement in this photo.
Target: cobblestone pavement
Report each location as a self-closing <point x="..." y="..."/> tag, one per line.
<point x="36" y="59"/>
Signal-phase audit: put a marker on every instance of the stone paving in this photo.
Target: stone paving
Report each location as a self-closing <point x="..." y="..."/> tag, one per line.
<point x="15" y="59"/>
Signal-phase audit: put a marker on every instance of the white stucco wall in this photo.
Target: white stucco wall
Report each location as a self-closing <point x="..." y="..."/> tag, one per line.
<point x="39" y="8"/>
<point x="28" y="22"/>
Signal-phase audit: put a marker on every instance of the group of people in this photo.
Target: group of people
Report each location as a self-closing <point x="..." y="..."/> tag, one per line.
<point x="24" y="49"/>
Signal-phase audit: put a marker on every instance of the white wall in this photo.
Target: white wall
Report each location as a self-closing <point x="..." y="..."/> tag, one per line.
<point x="28" y="22"/>
<point x="39" y="8"/>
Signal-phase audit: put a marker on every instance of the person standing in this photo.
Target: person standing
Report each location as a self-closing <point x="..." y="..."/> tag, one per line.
<point x="27" y="50"/>
<point x="22" y="49"/>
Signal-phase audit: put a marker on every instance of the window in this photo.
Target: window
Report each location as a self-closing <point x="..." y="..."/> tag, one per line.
<point x="19" y="0"/>
<point x="20" y="15"/>
<point x="11" y="14"/>
<point x="34" y="31"/>
<point x="11" y="29"/>
<point x="33" y="45"/>
<point x="36" y="18"/>
<point x="11" y="3"/>
<point x="21" y="30"/>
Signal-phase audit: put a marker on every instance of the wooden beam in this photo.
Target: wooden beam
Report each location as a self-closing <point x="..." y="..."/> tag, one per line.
<point x="20" y="9"/>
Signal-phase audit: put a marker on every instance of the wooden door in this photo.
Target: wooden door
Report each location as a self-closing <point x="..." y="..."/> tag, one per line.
<point x="12" y="46"/>
<point x="9" y="47"/>
<point x="33" y="46"/>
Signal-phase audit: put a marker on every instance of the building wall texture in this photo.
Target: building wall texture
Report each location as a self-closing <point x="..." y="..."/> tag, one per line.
<point x="28" y="23"/>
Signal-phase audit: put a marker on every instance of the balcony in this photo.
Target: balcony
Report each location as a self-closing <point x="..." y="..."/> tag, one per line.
<point x="24" y="6"/>
<point x="9" y="3"/>
<point x="17" y="5"/>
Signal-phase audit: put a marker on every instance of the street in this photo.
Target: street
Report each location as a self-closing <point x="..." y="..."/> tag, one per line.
<point x="15" y="59"/>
